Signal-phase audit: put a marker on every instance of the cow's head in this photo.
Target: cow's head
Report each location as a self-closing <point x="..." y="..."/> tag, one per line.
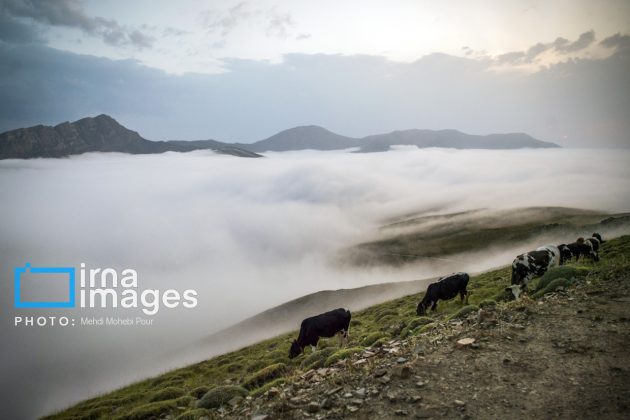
<point x="565" y="253"/>
<point x="295" y="350"/>
<point x="421" y="310"/>
<point x="515" y="289"/>
<point x="598" y="236"/>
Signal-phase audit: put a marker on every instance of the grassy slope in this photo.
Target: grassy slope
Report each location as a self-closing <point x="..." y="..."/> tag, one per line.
<point x="439" y="236"/>
<point x="170" y="392"/>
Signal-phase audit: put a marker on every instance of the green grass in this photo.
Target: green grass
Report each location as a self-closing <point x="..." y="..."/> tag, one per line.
<point x="265" y="364"/>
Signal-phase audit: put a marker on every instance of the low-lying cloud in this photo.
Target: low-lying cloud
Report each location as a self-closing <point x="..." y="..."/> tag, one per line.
<point x="247" y="234"/>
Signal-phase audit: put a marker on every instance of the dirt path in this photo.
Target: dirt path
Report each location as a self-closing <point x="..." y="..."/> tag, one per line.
<point x="566" y="356"/>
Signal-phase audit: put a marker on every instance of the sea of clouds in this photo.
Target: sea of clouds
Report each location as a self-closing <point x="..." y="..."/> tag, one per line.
<point x="247" y="234"/>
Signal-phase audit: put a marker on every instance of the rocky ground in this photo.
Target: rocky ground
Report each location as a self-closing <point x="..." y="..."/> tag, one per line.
<point x="563" y="356"/>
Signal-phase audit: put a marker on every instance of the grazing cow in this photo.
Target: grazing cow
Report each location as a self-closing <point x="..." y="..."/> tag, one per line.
<point x="446" y="288"/>
<point x="595" y="242"/>
<point x="587" y="248"/>
<point x="565" y="253"/>
<point x="534" y="263"/>
<point x="598" y="236"/>
<point x="327" y="324"/>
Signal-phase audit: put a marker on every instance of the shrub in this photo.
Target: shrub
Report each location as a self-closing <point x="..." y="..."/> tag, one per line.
<point x="167" y="394"/>
<point x="316" y="359"/>
<point x="220" y="395"/>
<point x="552" y="287"/>
<point x="565" y="271"/>
<point x="149" y="410"/>
<point x="194" y="414"/>
<point x="463" y="312"/>
<point x="184" y="401"/>
<point x="487" y="302"/>
<point x="341" y="354"/>
<point x="259" y="391"/>
<point x="255" y="366"/>
<point x="371" y="339"/>
<point x="199" y="391"/>
<point x="425" y="328"/>
<point x="264" y="375"/>
<point x="233" y="367"/>
<point x="416" y="322"/>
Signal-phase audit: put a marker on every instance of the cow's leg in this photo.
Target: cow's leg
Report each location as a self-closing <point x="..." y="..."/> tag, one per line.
<point x="346" y="334"/>
<point x="466" y="299"/>
<point x="340" y="338"/>
<point x="434" y="306"/>
<point x="313" y="348"/>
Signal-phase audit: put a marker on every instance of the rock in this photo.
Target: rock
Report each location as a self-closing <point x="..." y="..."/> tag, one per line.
<point x="359" y="362"/>
<point x="360" y="393"/>
<point x="356" y="401"/>
<point x="415" y="399"/>
<point x="351" y="408"/>
<point x="400" y="412"/>
<point x="403" y="371"/>
<point x="464" y="342"/>
<point x="273" y="392"/>
<point x="312" y="407"/>
<point x="380" y="372"/>
<point x="327" y="404"/>
<point x="368" y="354"/>
<point x="385" y="380"/>
<point x="260" y="417"/>
<point x="391" y="397"/>
<point x="322" y="371"/>
<point x="235" y="401"/>
<point x="459" y="403"/>
<point x="333" y="391"/>
<point x="421" y="384"/>
<point x="347" y="395"/>
<point x="401" y="360"/>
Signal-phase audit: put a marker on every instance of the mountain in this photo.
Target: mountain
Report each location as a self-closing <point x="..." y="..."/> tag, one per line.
<point x="98" y="134"/>
<point x="104" y="134"/>
<point x="318" y="138"/>
<point x="302" y="138"/>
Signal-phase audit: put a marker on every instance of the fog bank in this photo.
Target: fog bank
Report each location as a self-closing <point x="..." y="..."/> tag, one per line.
<point x="247" y="234"/>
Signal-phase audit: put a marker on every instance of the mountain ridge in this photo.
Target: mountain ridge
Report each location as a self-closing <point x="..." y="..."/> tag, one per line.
<point x="104" y="134"/>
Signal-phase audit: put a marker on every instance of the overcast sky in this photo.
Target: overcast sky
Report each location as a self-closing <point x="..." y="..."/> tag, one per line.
<point x="234" y="70"/>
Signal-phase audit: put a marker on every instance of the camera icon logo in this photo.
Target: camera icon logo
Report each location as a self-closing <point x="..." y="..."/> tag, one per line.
<point x="18" y="272"/>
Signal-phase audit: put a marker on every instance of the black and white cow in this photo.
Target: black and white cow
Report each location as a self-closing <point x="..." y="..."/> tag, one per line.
<point x="446" y="288"/>
<point x="595" y="243"/>
<point x="565" y="253"/>
<point x="598" y="236"/>
<point x="587" y="249"/>
<point x="531" y="264"/>
<point x="327" y="324"/>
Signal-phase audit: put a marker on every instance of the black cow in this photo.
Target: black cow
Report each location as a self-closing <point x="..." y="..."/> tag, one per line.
<point x="599" y="237"/>
<point x="327" y="324"/>
<point x="446" y="288"/>
<point x="534" y="263"/>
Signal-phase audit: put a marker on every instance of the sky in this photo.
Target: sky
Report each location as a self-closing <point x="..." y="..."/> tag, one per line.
<point x="244" y="70"/>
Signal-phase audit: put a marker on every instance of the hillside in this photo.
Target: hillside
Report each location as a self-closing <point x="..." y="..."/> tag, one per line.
<point x="561" y="353"/>
<point x="99" y="134"/>
<point x="104" y="134"/>
<point x="420" y="238"/>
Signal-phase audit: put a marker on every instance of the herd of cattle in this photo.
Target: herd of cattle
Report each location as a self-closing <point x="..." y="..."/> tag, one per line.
<point x="524" y="268"/>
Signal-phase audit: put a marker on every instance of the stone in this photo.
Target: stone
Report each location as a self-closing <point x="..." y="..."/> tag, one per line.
<point x="401" y="360"/>
<point x="459" y="403"/>
<point x="380" y="372"/>
<point x="464" y="342"/>
<point x="403" y="371"/>
<point x="333" y="391"/>
<point x="260" y="417"/>
<point x="360" y="393"/>
<point x="385" y="380"/>
<point x="312" y="407"/>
